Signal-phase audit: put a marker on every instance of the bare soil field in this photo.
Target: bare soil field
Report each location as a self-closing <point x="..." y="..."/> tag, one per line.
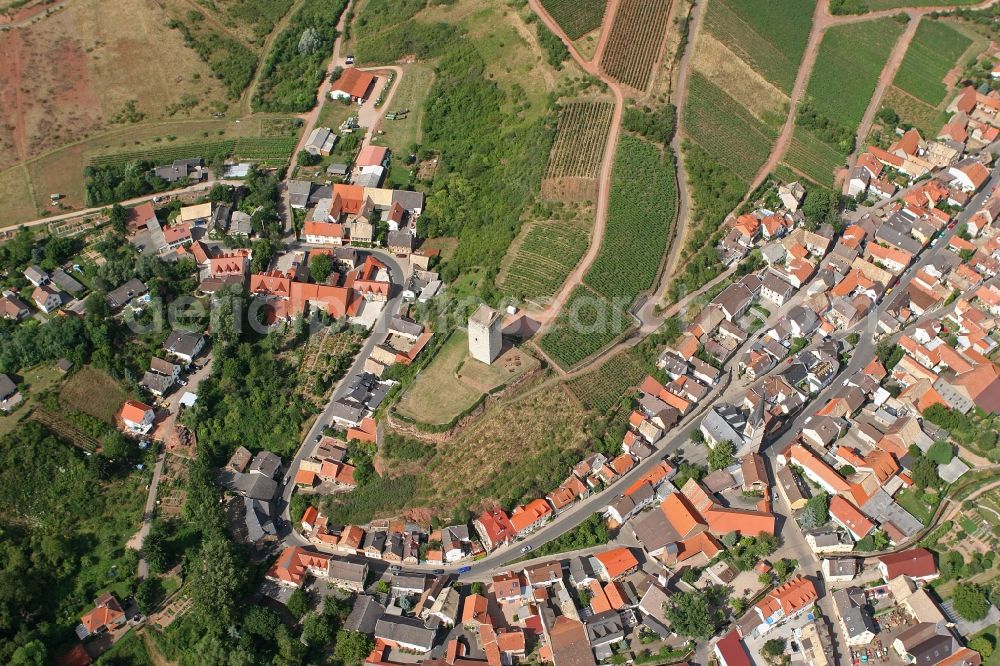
<point x="68" y="76"/>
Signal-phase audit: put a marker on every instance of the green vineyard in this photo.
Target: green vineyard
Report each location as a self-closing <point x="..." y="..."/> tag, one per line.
<point x="548" y="254"/>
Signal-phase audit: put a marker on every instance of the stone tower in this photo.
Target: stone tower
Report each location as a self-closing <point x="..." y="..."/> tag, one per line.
<point x="484" y="334"/>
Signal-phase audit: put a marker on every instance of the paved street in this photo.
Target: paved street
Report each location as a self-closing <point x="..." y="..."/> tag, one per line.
<point x="377" y="337"/>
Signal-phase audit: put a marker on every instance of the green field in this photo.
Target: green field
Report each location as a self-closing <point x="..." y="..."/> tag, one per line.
<point x="814" y="158"/>
<point x="586" y="323"/>
<point x="549" y="252"/>
<point x="935" y="49"/>
<point x="724" y="128"/>
<point x="602" y="388"/>
<point x="925" y="117"/>
<point x="770" y="35"/>
<point x="642" y="212"/>
<point x="876" y="5"/>
<point x="271" y="150"/>
<point x="576" y="17"/>
<point x="850" y="60"/>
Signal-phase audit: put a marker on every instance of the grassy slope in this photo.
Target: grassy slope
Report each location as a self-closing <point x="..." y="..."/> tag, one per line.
<point x="770" y="35"/>
<point x="935" y="49"/>
<point x="850" y="60"/>
<point x="720" y="125"/>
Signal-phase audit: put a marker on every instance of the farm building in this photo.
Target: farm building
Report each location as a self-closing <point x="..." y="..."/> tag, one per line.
<point x="354" y="85"/>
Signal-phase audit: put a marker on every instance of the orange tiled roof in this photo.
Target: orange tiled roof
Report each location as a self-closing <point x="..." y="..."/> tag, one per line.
<point x="617" y="561"/>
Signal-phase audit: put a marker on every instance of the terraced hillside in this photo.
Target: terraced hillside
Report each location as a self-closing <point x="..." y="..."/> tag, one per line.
<point x="919" y="91"/>
<point x="850" y="60"/>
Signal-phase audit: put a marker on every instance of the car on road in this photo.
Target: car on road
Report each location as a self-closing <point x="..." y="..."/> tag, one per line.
<point x="349" y="60"/>
<point x="319" y="436"/>
<point x="394" y="569"/>
<point x="951" y="225"/>
<point x="465" y="569"/>
<point x="438" y="572"/>
<point x="526" y="548"/>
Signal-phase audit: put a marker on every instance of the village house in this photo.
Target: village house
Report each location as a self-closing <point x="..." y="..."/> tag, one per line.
<point x="47" y="298"/>
<point x="137" y="417"/>
<point x="107" y="615"/>
<point x="785" y="602"/>
<point x="354" y="85"/>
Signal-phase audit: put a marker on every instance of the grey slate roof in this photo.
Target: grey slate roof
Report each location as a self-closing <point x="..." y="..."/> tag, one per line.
<point x="364" y="615"/>
<point x="125" y="293"/>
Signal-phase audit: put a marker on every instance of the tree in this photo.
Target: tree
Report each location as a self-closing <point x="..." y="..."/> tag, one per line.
<point x="689" y="615"/>
<point x="925" y="473"/>
<point x="320" y="267"/>
<point x="971" y="602"/>
<point x="774" y="647"/>
<point x="816" y="511"/>
<point x="317" y="630"/>
<point x="263" y="251"/>
<point x="982" y="645"/>
<point x="352" y="647"/>
<point x="118" y="217"/>
<point x="820" y="207"/>
<point x="147" y="594"/>
<point x="298" y="603"/>
<point x="698" y="437"/>
<point x="305" y="158"/>
<point x="218" y="577"/>
<point x="261" y="621"/>
<point x="722" y="456"/>
<point x="940" y="453"/>
<point x="115" y="446"/>
<point x="33" y="653"/>
<point x="477" y="588"/>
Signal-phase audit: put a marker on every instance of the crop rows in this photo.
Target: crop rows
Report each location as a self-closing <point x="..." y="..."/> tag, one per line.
<point x="165" y="154"/>
<point x="576" y="17"/>
<point x="641" y="213"/>
<point x="935" y="49"/>
<point x="769" y="35"/>
<point x="813" y="158"/>
<point x="268" y="149"/>
<point x="580" y="139"/>
<point x="548" y="254"/>
<point x="636" y="35"/>
<point x="603" y="388"/>
<point x="723" y="127"/>
<point x="586" y="323"/>
<point x="848" y="66"/>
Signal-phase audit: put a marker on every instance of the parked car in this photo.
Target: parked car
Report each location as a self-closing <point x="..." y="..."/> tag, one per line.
<point x="526" y="548"/>
<point x="438" y="572"/>
<point x="394" y="569"/>
<point x="349" y="59"/>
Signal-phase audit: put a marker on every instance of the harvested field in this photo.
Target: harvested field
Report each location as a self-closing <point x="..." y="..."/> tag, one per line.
<point x="519" y="449"/>
<point x="858" y="48"/>
<point x="453" y="382"/>
<point x="93" y="392"/>
<point x="15" y="195"/>
<point x="769" y="35"/>
<point x="934" y="51"/>
<point x="910" y="109"/>
<point x="576" y="17"/>
<point x="580" y="140"/>
<point x="727" y="130"/>
<point x="724" y="69"/>
<point x="813" y="158"/>
<point x="543" y="258"/>
<point x="68" y="76"/>
<point x="634" y="43"/>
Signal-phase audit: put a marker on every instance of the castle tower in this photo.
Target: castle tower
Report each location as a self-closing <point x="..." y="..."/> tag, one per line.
<point x="484" y="334"/>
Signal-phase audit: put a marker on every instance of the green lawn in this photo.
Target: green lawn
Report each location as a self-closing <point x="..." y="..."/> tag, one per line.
<point x="770" y="35"/>
<point x="850" y="60"/>
<point x="726" y="129"/>
<point x="991" y="634"/>
<point x="912" y="500"/>
<point x="935" y="49"/>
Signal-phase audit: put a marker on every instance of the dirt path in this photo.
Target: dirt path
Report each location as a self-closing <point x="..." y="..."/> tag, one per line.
<point x="247" y="96"/>
<point x="682" y="221"/>
<point x="820" y="23"/>
<point x="609" y="18"/>
<point x="546" y="316"/>
<point x="884" y="81"/>
<point x="823" y="20"/>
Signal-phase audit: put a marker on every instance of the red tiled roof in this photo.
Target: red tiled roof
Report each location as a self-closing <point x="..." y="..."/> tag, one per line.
<point x="134" y="411"/>
<point x="916" y="563"/>
<point x="354" y="82"/>
<point x="846" y="513"/>
<point x="617" y="561"/>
